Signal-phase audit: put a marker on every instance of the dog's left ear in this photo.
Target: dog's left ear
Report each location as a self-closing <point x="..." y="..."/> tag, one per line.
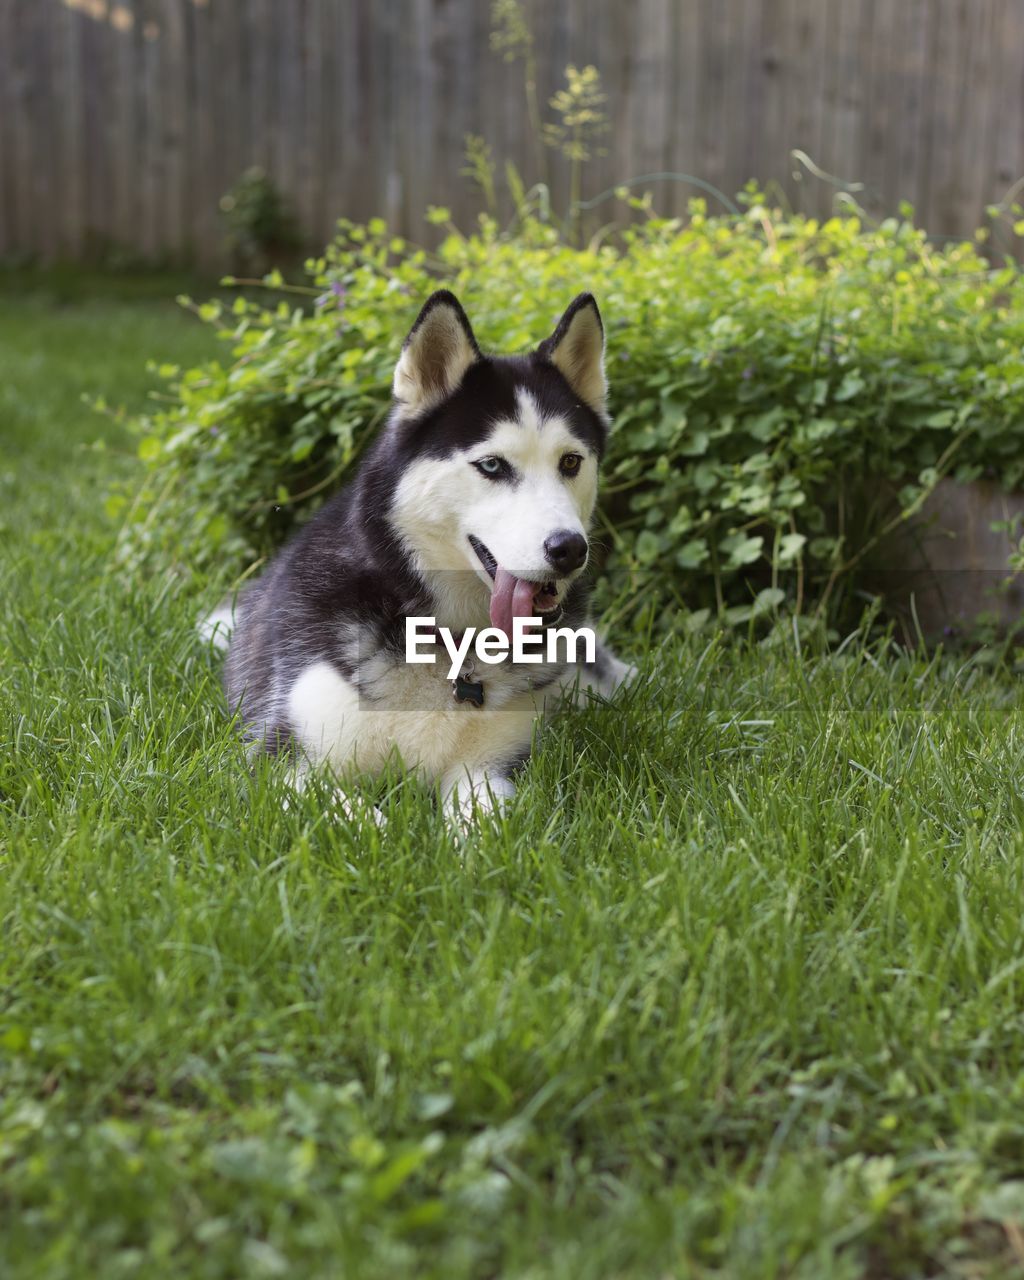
<point x="576" y="349"/>
<point x="438" y="351"/>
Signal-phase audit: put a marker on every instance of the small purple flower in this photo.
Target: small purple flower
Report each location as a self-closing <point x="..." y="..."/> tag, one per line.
<point x="748" y="373"/>
<point x="215" y="431"/>
<point x="337" y="293"/>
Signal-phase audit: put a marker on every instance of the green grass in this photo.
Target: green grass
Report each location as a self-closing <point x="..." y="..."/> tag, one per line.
<point x="736" y="990"/>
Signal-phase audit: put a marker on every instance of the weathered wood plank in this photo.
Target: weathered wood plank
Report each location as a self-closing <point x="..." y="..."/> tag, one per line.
<point x="650" y="101"/>
<point x="148" y="38"/>
<point x="41" y="127"/>
<point x="980" y="112"/>
<point x="944" y="117"/>
<point x="174" y="121"/>
<point x="772" y="165"/>
<point x="747" y="94"/>
<point x="1006" y="151"/>
<point x="204" y="122"/>
<point x="808" y="31"/>
<point x="709" y="161"/>
<point x="8" y="227"/>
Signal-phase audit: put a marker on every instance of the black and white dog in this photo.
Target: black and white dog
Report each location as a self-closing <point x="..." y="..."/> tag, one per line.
<point x="471" y="507"/>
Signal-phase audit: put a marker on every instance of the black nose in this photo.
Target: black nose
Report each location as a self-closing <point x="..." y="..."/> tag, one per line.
<point x="565" y="550"/>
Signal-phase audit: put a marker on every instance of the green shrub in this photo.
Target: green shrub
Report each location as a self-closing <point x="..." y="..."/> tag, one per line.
<point x="772" y="378"/>
<point x="260" y="229"/>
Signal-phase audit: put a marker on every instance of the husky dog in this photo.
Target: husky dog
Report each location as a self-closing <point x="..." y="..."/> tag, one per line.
<point x="472" y="505"/>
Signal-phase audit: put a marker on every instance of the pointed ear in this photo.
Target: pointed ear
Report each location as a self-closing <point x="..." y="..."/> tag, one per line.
<point x="438" y="351"/>
<point x="576" y="349"/>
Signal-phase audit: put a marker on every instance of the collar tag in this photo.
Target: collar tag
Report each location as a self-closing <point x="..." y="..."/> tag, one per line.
<point x="468" y="691"/>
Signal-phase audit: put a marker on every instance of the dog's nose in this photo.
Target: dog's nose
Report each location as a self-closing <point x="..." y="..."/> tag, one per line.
<point x="565" y="550"/>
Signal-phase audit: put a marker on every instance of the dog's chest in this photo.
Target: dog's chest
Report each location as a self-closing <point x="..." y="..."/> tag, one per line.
<point x="413" y="710"/>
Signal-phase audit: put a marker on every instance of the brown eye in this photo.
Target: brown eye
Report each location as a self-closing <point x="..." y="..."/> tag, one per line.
<point x="570" y="464"/>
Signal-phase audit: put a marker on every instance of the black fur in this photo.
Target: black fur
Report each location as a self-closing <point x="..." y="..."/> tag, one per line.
<point x="444" y="298"/>
<point x="488" y="392"/>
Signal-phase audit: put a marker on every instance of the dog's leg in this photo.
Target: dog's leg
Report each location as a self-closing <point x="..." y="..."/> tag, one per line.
<point x="469" y="791"/>
<point x="602" y="676"/>
<point x="217" y="626"/>
<point x="607" y="672"/>
<point x="354" y="807"/>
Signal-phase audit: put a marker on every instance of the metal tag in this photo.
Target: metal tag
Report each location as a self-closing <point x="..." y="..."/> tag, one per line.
<point x="468" y="691"/>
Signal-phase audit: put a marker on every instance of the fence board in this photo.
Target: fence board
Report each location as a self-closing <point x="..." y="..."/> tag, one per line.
<point x="123" y="122"/>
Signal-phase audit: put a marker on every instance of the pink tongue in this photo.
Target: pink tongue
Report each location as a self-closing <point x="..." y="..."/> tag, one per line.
<point x="511" y="597"/>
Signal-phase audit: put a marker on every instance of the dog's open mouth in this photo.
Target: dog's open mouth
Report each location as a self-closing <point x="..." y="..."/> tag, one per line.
<point x="513" y="597"/>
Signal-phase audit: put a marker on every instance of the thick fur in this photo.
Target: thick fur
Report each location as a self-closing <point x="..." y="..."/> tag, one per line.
<point x="316" y="662"/>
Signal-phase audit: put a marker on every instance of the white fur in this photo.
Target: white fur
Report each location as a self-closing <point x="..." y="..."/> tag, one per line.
<point x="413" y="715"/>
<point x="470" y="791"/>
<point x="216" y="627"/>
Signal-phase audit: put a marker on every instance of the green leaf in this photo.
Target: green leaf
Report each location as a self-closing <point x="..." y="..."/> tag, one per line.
<point x="695" y="445"/>
<point x="739" y="549"/>
<point x="790" y="546"/>
<point x="941" y="418"/>
<point x="14" y="1039"/>
<point x="647" y="547"/>
<point x="763" y="426"/>
<point x="395" y="1174"/>
<point x="852" y="385"/>
<point x="692" y="554"/>
<point x="767" y="600"/>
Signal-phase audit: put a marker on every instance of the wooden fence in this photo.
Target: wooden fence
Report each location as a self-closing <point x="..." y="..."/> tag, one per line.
<point x="122" y="122"/>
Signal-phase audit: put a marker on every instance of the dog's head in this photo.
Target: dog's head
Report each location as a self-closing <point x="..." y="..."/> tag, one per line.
<point x="498" y="461"/>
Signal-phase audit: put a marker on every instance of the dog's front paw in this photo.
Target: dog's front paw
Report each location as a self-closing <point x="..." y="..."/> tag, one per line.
<point x="356" y="809"/>
<point x="606" y="673"/>
<point x="468" y="796"/>
<point x="619" y="673"/>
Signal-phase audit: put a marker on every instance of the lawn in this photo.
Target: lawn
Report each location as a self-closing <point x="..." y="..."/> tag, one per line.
<point x="736" y="989"/>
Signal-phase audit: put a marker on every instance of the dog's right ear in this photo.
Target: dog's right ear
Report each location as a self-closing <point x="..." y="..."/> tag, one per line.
<point x="576" y="349"/>
<point x="438" y="351"/>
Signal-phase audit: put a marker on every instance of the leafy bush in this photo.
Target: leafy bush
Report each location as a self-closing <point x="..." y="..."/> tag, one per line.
<point x="260" y="228"/>
<point x="772" y="378"/>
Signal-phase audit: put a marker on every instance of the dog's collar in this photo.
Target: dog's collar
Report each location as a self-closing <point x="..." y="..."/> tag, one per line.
<point x="464" y="687"/>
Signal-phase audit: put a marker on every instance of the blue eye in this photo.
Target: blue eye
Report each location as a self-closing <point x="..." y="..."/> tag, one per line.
<point x="493" y="467"/>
